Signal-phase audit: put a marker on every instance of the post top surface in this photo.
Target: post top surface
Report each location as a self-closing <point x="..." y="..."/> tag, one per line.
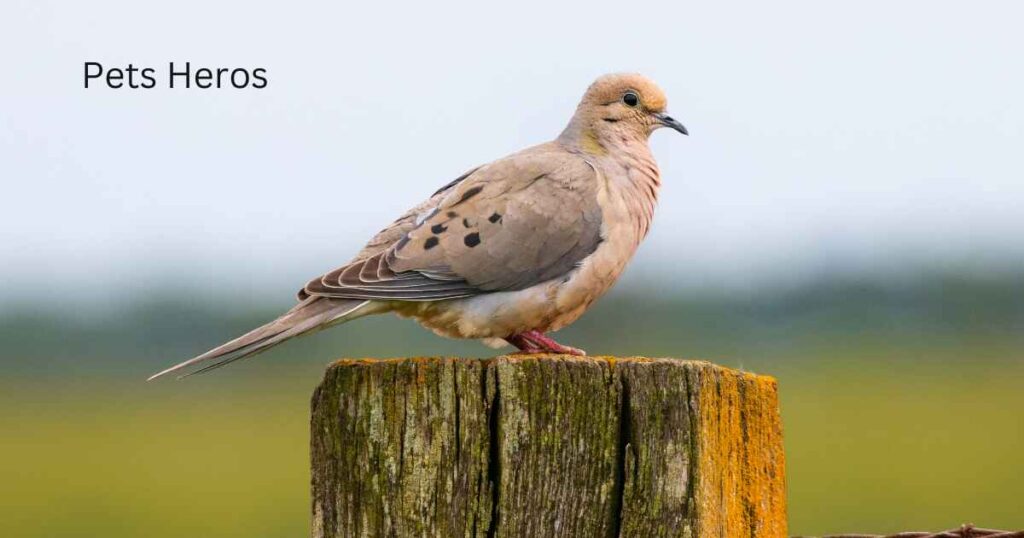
<point x="522" y="358"/>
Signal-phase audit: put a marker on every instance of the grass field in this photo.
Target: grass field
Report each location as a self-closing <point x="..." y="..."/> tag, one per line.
<point x="907" y="425"/>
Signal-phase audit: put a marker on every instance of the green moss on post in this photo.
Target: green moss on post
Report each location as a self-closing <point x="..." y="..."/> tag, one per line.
<point x="545" y="446"/>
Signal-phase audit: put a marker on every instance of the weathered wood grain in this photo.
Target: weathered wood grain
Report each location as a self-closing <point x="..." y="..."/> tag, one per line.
<point x="520" y="446"/>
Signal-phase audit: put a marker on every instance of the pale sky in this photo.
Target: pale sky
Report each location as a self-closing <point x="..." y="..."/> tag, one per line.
<point x="868" y="136"/>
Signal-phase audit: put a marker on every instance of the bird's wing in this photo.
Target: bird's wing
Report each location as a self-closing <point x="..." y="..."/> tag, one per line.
<point x="519" y="221"/>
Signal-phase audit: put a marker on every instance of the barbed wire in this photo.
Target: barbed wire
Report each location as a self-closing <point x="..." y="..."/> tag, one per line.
<point x="964" y="531"/>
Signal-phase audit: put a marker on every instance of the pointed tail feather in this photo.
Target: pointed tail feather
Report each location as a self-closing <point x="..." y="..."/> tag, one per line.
<point x="307" y="326"/>
<point x="306" y="317"/>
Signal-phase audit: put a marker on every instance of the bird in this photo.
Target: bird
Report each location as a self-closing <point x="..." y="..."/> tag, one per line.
<point x="508" y="251"/>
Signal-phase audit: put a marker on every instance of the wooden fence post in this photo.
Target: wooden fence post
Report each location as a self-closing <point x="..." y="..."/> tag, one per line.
<point x="524" y="446"/>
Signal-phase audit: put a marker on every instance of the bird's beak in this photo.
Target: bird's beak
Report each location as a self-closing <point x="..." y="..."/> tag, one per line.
<point x="671" y="123"/>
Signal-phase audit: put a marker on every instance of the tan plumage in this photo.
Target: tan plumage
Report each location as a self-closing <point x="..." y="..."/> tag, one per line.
<point x="509" y="250"/>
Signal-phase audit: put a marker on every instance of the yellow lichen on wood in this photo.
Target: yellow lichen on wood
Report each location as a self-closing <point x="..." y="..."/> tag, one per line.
<point x="741" y="465"/>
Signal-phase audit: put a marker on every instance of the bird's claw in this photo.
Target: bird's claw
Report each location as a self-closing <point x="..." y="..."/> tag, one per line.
<point x="533" y="342"/>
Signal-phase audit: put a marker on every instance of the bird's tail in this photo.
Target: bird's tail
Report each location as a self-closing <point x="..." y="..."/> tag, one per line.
<point x="308" y="316"/>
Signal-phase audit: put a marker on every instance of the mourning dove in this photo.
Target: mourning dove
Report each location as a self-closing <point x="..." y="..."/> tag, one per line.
<point x="509" y="250"/>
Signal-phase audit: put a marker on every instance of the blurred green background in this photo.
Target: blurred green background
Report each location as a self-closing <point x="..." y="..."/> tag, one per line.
<point x="903" y="405"/>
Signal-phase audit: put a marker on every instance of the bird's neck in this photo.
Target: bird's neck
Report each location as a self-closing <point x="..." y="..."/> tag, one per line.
<point x="629" y="168"/>
<point x="634" y="173"/>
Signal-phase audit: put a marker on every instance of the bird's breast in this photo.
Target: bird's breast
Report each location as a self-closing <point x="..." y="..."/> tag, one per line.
<point x="620" y="236"/>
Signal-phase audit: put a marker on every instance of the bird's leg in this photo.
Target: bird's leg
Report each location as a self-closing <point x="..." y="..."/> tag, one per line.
<point x="538" y="342"/>
<point x="524" y="345"/>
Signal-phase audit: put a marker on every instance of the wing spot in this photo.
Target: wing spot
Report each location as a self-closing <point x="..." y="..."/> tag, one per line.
<point x="472" y="240"/>
<point x="471" y="193"/>
<point x="495" y="217"/>
<point x="452" y="214"/>
<point x="438" y="228"/>
<point x="466" y="223"/>
<point x="430" y="243"/>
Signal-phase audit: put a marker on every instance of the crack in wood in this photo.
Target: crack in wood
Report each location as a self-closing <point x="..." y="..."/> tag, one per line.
<point x="622" y="445"/>
<point x="494" y="455"/>
<point x="458" y="414"/>
<point x="694" y="416"/>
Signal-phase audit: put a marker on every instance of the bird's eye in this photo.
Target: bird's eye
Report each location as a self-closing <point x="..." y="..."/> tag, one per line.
<point x="631" y="99"/>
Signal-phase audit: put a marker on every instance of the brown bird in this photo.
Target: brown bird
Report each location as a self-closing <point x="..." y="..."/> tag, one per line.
<point x="509" y="250"/>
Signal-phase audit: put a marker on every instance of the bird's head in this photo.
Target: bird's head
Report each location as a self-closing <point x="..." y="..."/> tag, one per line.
<point x="621" y="105"/>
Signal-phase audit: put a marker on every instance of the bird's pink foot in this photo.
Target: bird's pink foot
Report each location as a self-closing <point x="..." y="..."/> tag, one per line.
<point x="524" y="345"/>
<point x="538" y="342"/>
